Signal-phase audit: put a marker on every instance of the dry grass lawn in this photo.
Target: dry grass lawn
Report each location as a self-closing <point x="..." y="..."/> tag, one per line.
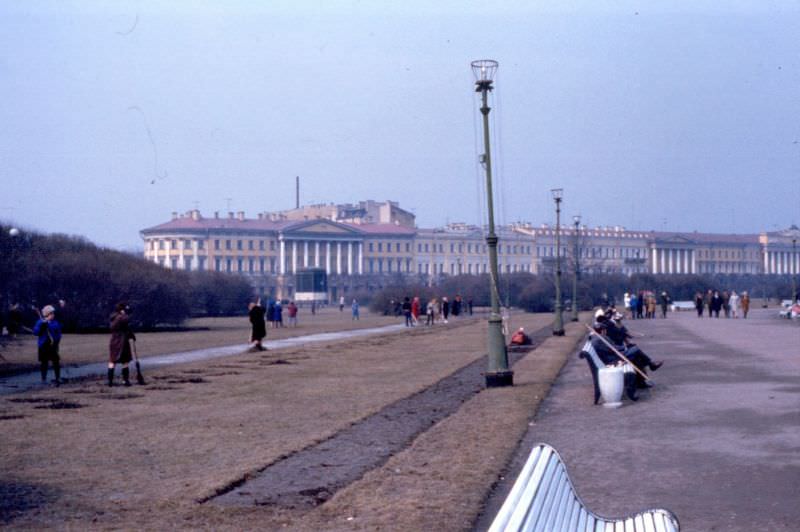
<point x="142" y="457"/>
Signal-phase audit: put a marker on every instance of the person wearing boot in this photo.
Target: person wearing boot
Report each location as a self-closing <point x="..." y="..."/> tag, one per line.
<point x="119" y="347"/>
<point x="49" y="332"/>
<point x="618" y="335"/>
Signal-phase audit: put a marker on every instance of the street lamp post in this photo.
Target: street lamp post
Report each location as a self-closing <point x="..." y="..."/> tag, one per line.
<point x="576" y="273"/>
<point x="794" y="271"/>
<point x="498" y="373"/>
<point x="558" y="324"/>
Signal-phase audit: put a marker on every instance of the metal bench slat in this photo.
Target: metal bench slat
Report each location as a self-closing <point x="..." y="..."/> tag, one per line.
<point x="543" y="499"/>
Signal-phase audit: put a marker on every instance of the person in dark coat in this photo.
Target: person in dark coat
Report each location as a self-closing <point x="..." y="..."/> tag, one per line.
<point x="258" y="329"/>
<point x="49" y="332"/>
<point x="119" y="346"/>
<point x="716" y="303"/>
<point x="699" y="304"/>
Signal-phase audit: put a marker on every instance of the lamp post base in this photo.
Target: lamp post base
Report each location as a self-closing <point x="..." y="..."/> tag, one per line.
<point x="499" y="379"/>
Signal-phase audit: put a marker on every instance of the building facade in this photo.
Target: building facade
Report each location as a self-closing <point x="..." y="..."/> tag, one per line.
<point x="369" y="244"/>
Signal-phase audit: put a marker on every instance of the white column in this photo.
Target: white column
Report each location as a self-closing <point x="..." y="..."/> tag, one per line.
<point x="339" y="258"/>
<point x="766" y="261"/>
<point x="294" y="256"/>
<point x="328" y="258"/>
<point x="305" y="253"/>
<point x="694" y="260"/>
<point x="361" y="258"/>
<point x="772" y="262"/>
<point x="349" y="258"/>
<point x="195" y="259"/>
<point x="316" y="254"/>
<point x="282" y="265"/>
<point x="655" y="260"/>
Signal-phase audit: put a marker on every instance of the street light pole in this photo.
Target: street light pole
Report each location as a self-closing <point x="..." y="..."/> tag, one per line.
<point x="498" y="373"/>
<point x="558" y="324"/>
<point x="577" y="271"/>
<point x="794" y="271"/>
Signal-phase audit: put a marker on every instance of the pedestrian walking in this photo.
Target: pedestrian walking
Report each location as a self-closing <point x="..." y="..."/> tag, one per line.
<point x="745" y="302"/>
<point x="716" y="303"/>
<point x="698" y="304"/>
<point x="445" y="309"/>
<point x="733" y="303"/>
<point x="278" y="314"/>
<point x="415" y="310"/>
<point x="341" y="304"/>
<point x="429" y="311"/>
<point x="665" y="300"/>
<point x="119" y="347"/>
<point x="48" y="330"/>
<point x="271" y="313"/>
<point x="354" y="308"/>
<point x="258" y="329"/>
<point x="292" y="310"/>
<point x="407" y="311"/>
<point x="726" y="305"/>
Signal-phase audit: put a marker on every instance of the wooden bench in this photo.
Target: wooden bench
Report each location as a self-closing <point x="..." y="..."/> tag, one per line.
<point x="588" y="352"/>
<point x="543" y="499"/>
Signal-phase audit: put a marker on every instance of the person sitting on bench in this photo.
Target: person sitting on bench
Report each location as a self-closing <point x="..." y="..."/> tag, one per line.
<point x="619" y="336"/>
<point x="520" y="338"/>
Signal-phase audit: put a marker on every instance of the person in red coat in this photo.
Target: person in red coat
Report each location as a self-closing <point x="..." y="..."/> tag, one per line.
<point x="415" y="310"/>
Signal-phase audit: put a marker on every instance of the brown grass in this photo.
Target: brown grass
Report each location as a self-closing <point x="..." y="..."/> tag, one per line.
<point x="142" y="457"/>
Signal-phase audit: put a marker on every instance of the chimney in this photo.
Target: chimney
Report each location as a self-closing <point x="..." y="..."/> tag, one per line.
<point x="261" y="216"/>
<point x="230" y="215"/>
<point x="240" y="216"/>
<point x="195" y="214"/>
<point x="174" y="215"/>
<point x="216" y="214"/>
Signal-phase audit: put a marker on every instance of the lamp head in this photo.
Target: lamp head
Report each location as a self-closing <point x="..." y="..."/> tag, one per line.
<point x="576" y="219"/>
<point x="557" y="193"/>
<point x="484" y="70"/>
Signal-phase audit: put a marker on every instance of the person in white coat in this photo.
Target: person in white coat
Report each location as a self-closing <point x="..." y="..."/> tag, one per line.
<point x="733" y="301"/>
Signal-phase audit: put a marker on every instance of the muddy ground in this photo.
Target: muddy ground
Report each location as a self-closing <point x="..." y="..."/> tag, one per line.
<point x="87" y="457"/>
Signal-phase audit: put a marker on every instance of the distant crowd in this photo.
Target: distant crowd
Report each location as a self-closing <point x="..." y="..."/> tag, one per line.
<point x="441" y="310"/>
<point x="731" y="304"/>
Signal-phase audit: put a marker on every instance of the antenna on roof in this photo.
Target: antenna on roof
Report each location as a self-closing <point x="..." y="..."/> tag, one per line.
<point x="297" y="192"/>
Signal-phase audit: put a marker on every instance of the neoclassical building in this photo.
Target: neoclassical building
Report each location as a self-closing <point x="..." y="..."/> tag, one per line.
<point x="370" y="244"/>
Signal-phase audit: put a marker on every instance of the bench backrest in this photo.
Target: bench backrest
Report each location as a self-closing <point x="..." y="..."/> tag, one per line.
<point x="588" y="348"/>
<point x="543" y="499"/>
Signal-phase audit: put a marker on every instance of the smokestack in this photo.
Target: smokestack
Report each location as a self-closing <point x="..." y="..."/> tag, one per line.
<point x="297" y="192"/>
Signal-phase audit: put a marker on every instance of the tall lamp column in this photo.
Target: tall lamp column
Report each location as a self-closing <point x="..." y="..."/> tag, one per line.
<point x="577" y="272"/>
<point x="498" y="373"/>
<point x="558" y="323"/>
<point x="794" y="271"/>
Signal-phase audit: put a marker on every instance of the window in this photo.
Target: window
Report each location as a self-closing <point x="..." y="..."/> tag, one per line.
<point x="408" y="247"/>
<point x="397" y="247"/>
<point x="201" y="263"/>
<point x="261" y="246"/>
<point x="187" y="244"/>
<point x="174" y="264"/>
<point x="389" y="266"/>
<point x="228" y="265"/>
<point x="452" y="248"/>
<point x="216" y="245"/>
<point x="261" y="262"/>
<point x="426" y="247"/>
<point x="250" y="244"/>
<point x="160" y="244"/>
<point x="239" y="245"/>
<point x="228" y="245"/>
<point x="371" y="247"/>
<point x="217" y="264"/>
<point x="419" y="250"/>
<point x="252" y="265"/>
<point x="380" y="246"/>
<point x="201" y="244"/>
<point x="461" y="248"/>
<point x="174" y="244"/>
<point x="272" y="245"/>
<point x="239" y="265"/>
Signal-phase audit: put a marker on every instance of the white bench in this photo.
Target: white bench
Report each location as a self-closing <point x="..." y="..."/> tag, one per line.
<point x="676" y="306"/>
<point x="543" y="499"/>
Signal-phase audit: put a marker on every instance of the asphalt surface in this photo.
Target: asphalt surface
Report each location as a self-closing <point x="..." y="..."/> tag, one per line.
<point x="716" y="441"/>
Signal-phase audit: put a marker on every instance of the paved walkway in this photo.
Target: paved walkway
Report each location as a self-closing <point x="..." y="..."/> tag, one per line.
<point x="717" y="441"/>
<point x="27" y="381"/>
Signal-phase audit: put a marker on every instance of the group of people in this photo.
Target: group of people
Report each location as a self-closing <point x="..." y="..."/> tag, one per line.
<point x="730" y="303"/>
<point x="121" y="347"/>
<point x="644" y="304"/>
<point x="612" y="337"/>
<point x="411" y="309"/>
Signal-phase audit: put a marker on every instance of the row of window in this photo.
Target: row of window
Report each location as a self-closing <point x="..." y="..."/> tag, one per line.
<point x="436" y="247"/>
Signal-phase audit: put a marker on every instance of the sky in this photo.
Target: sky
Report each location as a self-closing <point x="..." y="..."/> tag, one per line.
<point x="679" y="116"/>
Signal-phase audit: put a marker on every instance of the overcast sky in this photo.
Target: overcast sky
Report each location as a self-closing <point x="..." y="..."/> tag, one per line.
<point x="652" y="115"/>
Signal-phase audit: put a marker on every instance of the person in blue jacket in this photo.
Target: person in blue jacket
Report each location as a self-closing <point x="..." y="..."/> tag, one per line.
<point x="49" y="332"/>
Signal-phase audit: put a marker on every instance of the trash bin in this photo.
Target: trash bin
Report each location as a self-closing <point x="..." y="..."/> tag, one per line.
<point x="611" y="381"/>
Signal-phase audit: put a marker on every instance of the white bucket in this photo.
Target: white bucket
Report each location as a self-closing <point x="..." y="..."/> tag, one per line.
<point x="611" y="381"/>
